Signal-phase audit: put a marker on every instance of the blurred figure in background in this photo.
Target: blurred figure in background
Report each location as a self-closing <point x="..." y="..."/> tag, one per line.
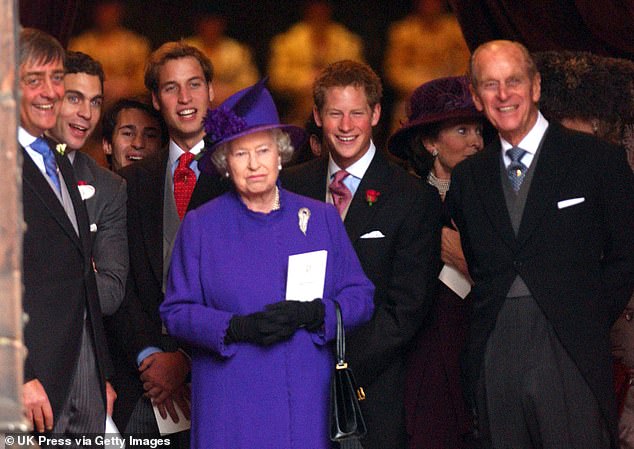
<point x="122" y="52"/>
<point x="131" y="131"/>
<point x="425" y="45"/>
<point x="595" y="94"/>
<point x="443" y="129"/>
<point x="590" y="93"/>
<point x="299" y="54"/>
<point x="234" y="68"/>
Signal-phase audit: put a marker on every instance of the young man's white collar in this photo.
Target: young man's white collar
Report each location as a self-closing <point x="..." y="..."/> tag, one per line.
<point x="175" y="152"/>
<point x="357" y="170"/>
<point x="530" y="142"/>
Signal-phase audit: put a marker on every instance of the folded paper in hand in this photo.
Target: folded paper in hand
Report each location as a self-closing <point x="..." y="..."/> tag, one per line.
<point x="306" y="275"/>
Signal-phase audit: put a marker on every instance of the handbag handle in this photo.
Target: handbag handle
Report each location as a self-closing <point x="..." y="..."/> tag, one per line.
<point x="341" y="339"/>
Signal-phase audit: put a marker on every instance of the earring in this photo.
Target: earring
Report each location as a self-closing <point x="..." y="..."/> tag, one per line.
<point x="434" y="153"/>
<point x="279" y="166"/>
<point x="226" y="174"/>
<point x="595" y="126"/>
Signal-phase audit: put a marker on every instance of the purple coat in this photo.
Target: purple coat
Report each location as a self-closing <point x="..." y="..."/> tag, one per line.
<point x="229" y="260"/>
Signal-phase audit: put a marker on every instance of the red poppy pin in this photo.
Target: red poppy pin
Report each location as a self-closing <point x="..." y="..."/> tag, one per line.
<point x="371" y="196"/>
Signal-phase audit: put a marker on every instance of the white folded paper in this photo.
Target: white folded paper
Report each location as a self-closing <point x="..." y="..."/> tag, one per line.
<point x="166" y="426"/>
<point x="306" y="276"/>
<point x="455" y="280"/>
<point x="112" y="438"/>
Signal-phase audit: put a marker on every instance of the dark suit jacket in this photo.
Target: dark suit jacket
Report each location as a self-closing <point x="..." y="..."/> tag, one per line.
<point x="138" y="324"/>
<point x="400" y="265"/>
<point x="577" y="261"/>
<point x="107" y="215"/>
<point x="59" y="284"/>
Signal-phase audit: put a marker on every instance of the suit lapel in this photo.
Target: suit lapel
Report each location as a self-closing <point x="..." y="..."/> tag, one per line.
<point x="360" y="213"/>
<point x="152" y="187"/>
<point x="34" y="180"/>
<point x="81" y="213"/>
<point x="491" y="193"/>
<point x="316" y="179"/>
<point x="550" y="170"/>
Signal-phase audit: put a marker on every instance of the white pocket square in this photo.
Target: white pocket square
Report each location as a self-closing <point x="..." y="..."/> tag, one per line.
<point x="571" y="202"/>
<point x="373" y="235"/>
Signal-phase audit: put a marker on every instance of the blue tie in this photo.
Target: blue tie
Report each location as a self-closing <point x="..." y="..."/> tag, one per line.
<point x="516" y="170"/>
<point x="41" y="146"/>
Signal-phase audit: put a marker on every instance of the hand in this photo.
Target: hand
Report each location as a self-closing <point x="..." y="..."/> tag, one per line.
<point x="37" y="407"/>
<point x="162" y="373"/>
<point x="180" y="397"/>
<point x="111" y="396"/>
<point x="451" y="251"/>
<point x="257" y="328"/>
<point x="296" y="314"/>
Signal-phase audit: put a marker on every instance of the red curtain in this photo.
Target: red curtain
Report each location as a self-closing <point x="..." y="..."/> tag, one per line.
<point x="56" y="17"/>
<point x="604" y="27"/>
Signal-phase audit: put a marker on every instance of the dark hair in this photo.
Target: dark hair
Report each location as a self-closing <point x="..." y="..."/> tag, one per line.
<point x="348" y="73"/>
<point x="78" y="62"/>
<point x="39" y="47"/>
<point x="111" y="116"/>
<point x="169" y="51"/>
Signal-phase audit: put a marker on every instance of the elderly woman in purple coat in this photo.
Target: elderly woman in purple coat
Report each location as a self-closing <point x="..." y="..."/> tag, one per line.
<point x="261" y="361"/>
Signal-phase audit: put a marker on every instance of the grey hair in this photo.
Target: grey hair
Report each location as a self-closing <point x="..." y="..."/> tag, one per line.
<point x="281" y="138"/>
<point x="529" y="62"/>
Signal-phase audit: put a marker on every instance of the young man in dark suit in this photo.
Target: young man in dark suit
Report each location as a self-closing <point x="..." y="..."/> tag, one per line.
<point x="545" y="217"/>
<point x="392" y="221"/>
<point x="160" y="190"/>
<point x="103" y="192"/>
<point x="64" y="390"/>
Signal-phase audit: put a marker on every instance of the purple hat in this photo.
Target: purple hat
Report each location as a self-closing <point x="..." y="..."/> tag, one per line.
<point x="247" y="111"/>
<point x="435" y="101"/>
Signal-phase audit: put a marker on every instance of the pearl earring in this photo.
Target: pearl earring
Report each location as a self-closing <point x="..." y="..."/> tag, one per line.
<point x="226" y="174"/>
<point x="434" y="153"/>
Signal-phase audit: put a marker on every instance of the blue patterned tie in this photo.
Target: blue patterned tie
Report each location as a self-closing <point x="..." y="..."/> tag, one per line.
<point x="41" y="146"/>
<point x="516" y="170"/>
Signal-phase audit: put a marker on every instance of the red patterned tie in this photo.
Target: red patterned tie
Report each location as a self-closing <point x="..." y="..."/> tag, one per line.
<point x="184" y="183"/>
<point x="341" y="195"/>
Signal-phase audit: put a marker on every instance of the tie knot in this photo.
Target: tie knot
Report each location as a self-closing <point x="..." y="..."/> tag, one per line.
<point x="41" y="146"/>
<point x="340" y="176"/>
<point x="185" y="159"/>
<point x="515" y="154"/>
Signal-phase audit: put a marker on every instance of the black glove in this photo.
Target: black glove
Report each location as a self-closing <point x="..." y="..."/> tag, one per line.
<point x="297" y="314"/>
<point x="256" y="328"/>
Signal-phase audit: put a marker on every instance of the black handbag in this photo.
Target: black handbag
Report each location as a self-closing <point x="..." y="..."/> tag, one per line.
<point x="346" y="421"/>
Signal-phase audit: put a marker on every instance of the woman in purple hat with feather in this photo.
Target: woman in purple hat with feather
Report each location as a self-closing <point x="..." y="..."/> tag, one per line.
<point x="261" y="360"/>
<point x="443" y="129"/>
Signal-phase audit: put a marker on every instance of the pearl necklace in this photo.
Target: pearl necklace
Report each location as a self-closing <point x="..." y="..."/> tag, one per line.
<point x="441" y="184"/>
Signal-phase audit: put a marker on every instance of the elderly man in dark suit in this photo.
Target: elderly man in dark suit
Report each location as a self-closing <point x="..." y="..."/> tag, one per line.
<point x="546" y="217"/>
<point x="103" y="192"/>
<point x="160" y="190"/>
<point x="64" y="390"/>
<point x="392" y="220"/>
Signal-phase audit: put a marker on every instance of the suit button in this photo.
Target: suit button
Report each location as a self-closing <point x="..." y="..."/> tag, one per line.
<point x="517" y="264"/>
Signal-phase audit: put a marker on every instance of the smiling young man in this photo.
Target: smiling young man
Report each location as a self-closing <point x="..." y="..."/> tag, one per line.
<point x="545" y="217"/>
<point x="65" y="389"/>
<point x="392" y="221"/>
<point x="103" y="192"/>
<point x="131" y="131"/>
<point x="160" y="190"/>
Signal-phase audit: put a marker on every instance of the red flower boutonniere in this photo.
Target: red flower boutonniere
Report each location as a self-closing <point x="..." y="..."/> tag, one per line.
<point x="371" y="196"/>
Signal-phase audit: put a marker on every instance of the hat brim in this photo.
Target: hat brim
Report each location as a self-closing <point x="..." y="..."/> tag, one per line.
<point x="296" y="134"/>
<point x="397" y="143"/>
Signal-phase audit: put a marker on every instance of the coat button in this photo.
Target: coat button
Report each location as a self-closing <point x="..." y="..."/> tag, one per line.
<point x="517" y="264"/>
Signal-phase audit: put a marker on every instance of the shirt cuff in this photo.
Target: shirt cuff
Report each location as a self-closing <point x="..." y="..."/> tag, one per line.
<point x="145" y="353"/>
